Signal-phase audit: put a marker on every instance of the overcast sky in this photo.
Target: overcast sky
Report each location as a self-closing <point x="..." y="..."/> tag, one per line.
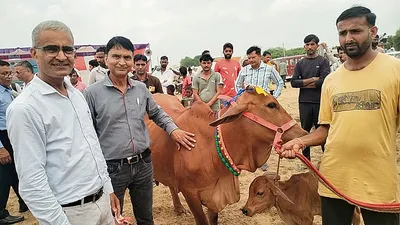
<point x="179" y="28"/>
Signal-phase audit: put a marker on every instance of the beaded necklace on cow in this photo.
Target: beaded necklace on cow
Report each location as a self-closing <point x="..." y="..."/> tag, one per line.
<point x="221" y="149"/>
<point x="223" y="153"/>
<point x="219" y="142"/>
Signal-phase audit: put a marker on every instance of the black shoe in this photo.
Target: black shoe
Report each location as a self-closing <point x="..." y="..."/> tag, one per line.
<point x="23" y="208"/>
<point x="11" y="220"/>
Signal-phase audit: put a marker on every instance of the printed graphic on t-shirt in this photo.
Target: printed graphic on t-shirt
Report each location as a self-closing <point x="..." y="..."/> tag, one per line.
<point x="360" y="100"/>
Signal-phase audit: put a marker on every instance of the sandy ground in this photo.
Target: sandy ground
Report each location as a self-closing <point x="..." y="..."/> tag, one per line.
<point x="163" y="209"/>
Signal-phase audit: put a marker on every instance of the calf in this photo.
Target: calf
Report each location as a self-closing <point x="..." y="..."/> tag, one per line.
<point x="296" y="200"/>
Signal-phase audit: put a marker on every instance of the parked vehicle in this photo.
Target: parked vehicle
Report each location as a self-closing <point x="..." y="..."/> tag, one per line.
<point x="291" y="62"/>
<point x="395" y="54"/>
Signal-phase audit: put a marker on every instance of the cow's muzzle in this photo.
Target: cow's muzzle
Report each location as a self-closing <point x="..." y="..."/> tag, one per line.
<point x="244" y="211"/>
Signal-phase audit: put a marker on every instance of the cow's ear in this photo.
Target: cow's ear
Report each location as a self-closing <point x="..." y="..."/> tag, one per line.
<point x="279" y="192"/>
<point x="272" y="175"/>
<point x="232" y="114"/>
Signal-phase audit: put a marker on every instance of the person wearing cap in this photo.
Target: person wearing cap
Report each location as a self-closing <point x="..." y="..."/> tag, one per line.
<point x="73" y="77"/>
<point x="244" y="61"/>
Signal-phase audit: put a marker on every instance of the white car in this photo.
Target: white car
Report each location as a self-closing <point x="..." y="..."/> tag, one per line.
<point x="395" y="54"/>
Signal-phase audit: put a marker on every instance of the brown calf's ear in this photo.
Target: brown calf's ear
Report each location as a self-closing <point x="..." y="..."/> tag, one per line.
<point x="270" y="174"/>
<point x="251" y="88"/>
<point x="273" y="176"/>
<point x="232" y="114"/>
<point x="278" y="192"/>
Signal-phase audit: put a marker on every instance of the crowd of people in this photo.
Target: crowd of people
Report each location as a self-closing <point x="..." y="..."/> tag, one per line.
<point x="70" y="151"/>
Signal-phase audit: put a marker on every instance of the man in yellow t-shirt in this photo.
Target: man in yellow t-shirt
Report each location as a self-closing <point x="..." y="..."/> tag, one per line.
<point x="268" y="60"/>
<point x="359" y="117"/>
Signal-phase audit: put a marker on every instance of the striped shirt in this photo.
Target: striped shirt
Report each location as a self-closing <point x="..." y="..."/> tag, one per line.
<point x="261" y="77"/>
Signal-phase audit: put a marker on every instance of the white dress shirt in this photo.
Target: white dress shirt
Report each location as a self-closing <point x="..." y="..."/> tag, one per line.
<point x="57" y="153"/>
<point x="18" y="88"/>
<point x="97" y="74"/>
<point x="166" y="78"/>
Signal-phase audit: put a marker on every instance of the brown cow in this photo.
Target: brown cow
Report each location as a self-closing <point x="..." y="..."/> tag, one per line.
<point x="199" y="174"/>
<point x="296" y="200"/>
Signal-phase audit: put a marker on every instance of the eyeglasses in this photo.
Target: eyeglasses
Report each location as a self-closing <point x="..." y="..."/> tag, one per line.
<point x="53" y="50"/>
<point x="20" y="71"/>
<point x="7" y="74"/>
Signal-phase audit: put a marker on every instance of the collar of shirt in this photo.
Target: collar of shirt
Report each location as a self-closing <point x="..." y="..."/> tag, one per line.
<point x="107" y="81"/>
<point x="77" y="83"/>
<point x="26" y="84"/>
<point x="9" y="91"/>
<point x="262" y="65"/>
<point x="201" y="73"/>
<point x="3" y="89"/>
<point x="46" y="89"/>
<point x="136" y="77"/>
<point x="101" y="69"/>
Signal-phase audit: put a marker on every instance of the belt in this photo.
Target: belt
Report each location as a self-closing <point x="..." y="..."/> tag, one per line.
<point x="134" y="159"/>
<point x="91" y="198"/>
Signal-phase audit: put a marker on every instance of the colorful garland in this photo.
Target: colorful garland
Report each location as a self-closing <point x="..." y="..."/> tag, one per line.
<point x="223" y="154"/>
<point x="219" y="142"/>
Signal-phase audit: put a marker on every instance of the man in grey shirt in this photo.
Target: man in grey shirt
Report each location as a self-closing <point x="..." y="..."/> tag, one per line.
<point x="118" y="106"/>
<point x="207" y="85"/>
<point x="283" y="71"/>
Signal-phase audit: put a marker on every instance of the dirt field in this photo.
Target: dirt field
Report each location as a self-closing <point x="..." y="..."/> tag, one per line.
<point x="163" y="209"/>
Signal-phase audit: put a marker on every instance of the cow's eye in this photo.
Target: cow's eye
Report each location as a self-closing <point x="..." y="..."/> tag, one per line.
<point x="260" y="193"/>
<point x="272" y="105"/>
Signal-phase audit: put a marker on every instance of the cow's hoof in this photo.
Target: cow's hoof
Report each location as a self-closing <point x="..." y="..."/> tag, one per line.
<point x="180" y="211"/>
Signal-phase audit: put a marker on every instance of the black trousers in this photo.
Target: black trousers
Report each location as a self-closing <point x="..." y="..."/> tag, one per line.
<point x="309" y="113"/>
<point x="284" y="80"/>
<point x="8" y="177"/>
<point x="337" y="211"/>
<point x="138" y="178"/>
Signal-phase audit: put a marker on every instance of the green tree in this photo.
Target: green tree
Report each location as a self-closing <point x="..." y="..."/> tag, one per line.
<point x="396" y="40"/>
<point x="389" y="42"/>
<point x="278" y="52"/>
<point x="393" y="41"/>
<point x="295" y="51"/>
<point x="189" y="62"/>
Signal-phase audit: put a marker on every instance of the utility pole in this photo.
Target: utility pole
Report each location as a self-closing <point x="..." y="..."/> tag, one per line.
<point x="284" y="50"/>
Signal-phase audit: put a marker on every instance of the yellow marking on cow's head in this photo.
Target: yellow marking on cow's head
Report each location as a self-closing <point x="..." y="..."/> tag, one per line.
<point x="260" y="91"/>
